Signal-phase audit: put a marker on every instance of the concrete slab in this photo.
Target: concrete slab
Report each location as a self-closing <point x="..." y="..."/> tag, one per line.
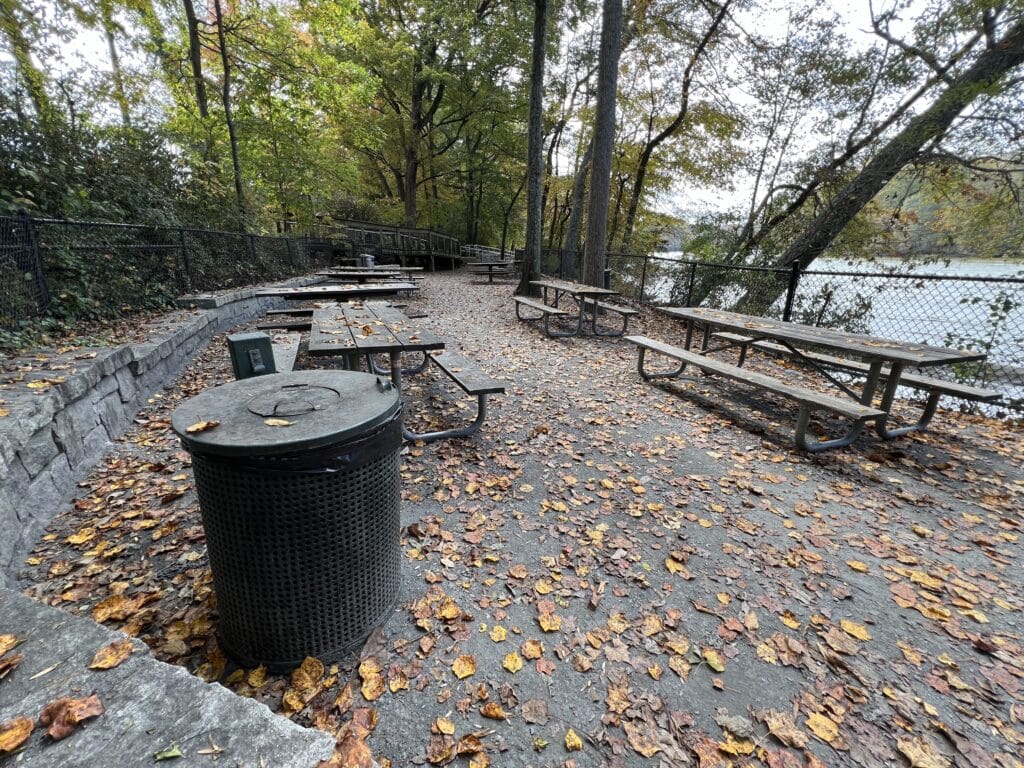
<point x="150" y="706"/>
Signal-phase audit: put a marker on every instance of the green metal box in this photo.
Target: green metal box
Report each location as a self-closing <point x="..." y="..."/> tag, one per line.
<point x="251" y="355"/>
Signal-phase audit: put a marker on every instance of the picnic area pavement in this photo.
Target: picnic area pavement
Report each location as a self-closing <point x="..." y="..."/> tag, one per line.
<point x="615" y="573"/>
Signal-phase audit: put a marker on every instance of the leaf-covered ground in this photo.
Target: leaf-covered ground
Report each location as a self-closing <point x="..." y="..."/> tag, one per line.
<point x="616" y="573"/>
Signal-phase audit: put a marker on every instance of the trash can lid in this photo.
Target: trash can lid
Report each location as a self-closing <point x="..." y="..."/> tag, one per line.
<point x="285" y="412"/>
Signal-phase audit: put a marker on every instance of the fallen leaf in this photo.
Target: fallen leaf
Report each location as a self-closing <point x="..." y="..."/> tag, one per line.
<point x="535" y="711"/>
<point x="920" y="754"/>
<point x="63" y="716"/>
<point x="853" y="629"/>
<point x="493" y="710"/>
<point x="782" y="726"/>
<point x="513" y="662"/>
<point x="202" y="426"/>
<point x="573" y="743"/>
<point x="714" y="659"/>
<point x="464" y="666"/>
<point x="823" y="727"/>
<point x="278" y="422"/>
<point x="7" y="642"/>
<point x="112" y="655"/>
<point x="14" y="733"/>
<point x="168" y="754"/>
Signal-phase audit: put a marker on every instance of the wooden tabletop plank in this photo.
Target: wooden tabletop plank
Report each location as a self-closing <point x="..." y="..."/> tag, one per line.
<point x="338" y="291"/>
<point x="858" y="344"/>
<point x="579" y="289"/>
<point x="329" y="333"/>
<point x="410" y="334"/>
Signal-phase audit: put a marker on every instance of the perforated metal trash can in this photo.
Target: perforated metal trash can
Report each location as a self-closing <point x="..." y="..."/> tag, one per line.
<point x="299" y="491"/>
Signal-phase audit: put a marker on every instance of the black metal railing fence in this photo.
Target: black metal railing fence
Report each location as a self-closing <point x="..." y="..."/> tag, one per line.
<point x="70" y="268"/>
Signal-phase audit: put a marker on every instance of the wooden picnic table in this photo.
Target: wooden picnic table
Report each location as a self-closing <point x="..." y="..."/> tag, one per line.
<point x="492" y="268"/>
<point x="355" y="330"/>
<point x="554" y="289"/>
<point x="375" y="268"/>
<point x="877" y="352"/>
<point x="363" y="275"/>
<point x="339" y="291"/>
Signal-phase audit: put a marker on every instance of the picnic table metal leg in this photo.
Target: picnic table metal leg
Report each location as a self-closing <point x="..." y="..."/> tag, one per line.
<point x="641" y="356"/>
<point x="396" y="368"/>
<point x="444" y="434"/>
<point x="812" y="445"/>
<point x="889" y="394"/>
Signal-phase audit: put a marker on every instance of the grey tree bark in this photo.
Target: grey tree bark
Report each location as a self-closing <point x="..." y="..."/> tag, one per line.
<point x="535" y="150"/>
<point x="594" y="257"/>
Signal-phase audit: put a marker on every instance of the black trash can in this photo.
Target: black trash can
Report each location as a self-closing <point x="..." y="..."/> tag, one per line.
<point x="299" y="489"/>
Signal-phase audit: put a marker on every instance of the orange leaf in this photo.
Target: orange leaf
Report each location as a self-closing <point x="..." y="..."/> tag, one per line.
<point x="14" y="733"/>
<point x="64" y="715"/>
<point x="464" y="666"/>
<point x="112" y="655"/>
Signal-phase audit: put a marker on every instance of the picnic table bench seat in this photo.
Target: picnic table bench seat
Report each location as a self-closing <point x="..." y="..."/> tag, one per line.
<point x="285" y="325"/>
<point x="468" y="377"/>
<point x="286" y="350"/>
<point x="547" y="312"/>
<point x="604" y="306"/>
<point x="936" y="387"/>
<point x="809" y="400"/>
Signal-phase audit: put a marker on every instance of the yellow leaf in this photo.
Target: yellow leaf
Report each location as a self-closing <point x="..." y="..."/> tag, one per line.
<point x="513" y="662"/>
<point x="532" y="649"/>
<point x="680" y="666"/>
<point x="853" y="629"/>
<point x="822" y="727"/>
<point x="909" y="653"/>
<point x="766" y="652"/>
<point x="789" y="620"/>
<point x="257" y="677"/>
<point x="549" y="622"/>
<point x="858" y="566"/>
<point x="498" y="633"/>
<point x="14" y="733"/>
<point x="732" y="746"/>
<point x="7" y="642"/>
<point x="724" y="598"/>
<point x="38" y="384"/>
<point x="83" y="535"/>
<point x="464" y="666"/>
<point x="920" y="754"/>
<point x="617" y="623"/>
<point x="543" y="587"/>
<point x="111" y="655"/>
<point x="278" y="422"/>
<point x="202" y="426"/>
<point x="936" y="612"/>
<point x="977" y="615"/>
<point x="705" y="523"/>
<point x="292" y="702"/>
<point x="445" y="726"/>
<point x="573" y="743"/>
<point x="714" y="659"/>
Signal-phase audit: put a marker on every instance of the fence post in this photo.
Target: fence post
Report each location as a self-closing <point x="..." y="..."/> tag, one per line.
<point x="643" y="279"/>
<point x="291" y="255"/>
<point x="34" y="263"/>
<point x="794" y="281"/>
<point x="186" y="264"/>
<point x="690" y="283"/>
<point x="252" y="247"/>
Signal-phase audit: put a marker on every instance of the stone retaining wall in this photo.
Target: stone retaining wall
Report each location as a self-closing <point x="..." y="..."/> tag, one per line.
<point x="60" y="410"/>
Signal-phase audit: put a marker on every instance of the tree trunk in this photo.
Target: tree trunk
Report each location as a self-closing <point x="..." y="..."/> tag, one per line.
<point x="980" y="78"/>
<point x="195" y="57"/>
<point x="604" y="136"/>
<point x="572" y="232"/>
<point x="32" y="78"/>
<point x="107" y="20"/>
<point x="412" y="157"/>
<point x="508" y="215"/>
<point x="535" y="150"/>
<point x="228" y="118"/>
